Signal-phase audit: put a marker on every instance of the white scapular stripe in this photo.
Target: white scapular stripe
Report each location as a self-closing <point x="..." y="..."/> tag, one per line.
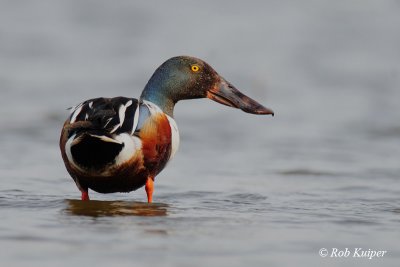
<point x="121" y="114"/>
<point x="106" y="138"/>
<point x="135" y="119"/>
<point x="76" y="112"/>
<point x="108" y="121"/>
<point x="68" y="151"/>
<point x="122" y="111"/>
<point x="115" y="128"/>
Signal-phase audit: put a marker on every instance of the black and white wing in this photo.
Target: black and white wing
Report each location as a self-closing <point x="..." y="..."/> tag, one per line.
<point x="111" y="115"/>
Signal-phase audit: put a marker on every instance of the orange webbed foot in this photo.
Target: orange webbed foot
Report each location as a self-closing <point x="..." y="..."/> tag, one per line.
<point x="149" y="189"/>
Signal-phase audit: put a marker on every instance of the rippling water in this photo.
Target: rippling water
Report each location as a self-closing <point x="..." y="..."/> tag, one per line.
<point x="242" y="190"/>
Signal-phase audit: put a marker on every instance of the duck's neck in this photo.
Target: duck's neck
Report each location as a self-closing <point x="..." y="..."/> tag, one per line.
<point x="157" y="91"/>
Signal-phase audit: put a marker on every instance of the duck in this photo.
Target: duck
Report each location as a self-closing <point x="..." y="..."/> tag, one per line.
<point x="121" y="144"/>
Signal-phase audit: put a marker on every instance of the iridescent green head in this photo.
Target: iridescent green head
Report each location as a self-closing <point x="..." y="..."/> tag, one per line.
<point x="184" y="77"/>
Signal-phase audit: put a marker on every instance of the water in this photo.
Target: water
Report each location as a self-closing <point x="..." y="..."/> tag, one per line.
<point x="242" y="190"/>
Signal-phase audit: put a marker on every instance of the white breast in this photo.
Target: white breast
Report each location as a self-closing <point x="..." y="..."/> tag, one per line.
<point x="174" y="128"/>
<point x="174" y="136"/>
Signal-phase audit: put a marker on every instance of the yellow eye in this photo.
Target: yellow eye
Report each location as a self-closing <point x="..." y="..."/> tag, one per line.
<point x="195" y="68"/>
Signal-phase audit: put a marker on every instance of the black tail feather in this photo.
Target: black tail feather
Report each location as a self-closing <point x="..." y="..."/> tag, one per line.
<point x="91" y="152"/>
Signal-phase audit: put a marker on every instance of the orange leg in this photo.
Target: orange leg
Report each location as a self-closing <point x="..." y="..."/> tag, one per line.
<point x="85" y="196"/>
<point x="149" y="189"/>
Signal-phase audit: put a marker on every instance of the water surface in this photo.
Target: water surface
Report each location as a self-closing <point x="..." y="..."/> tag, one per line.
<point x="242" y="190"/>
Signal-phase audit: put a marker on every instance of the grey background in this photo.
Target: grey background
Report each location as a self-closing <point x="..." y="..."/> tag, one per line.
<point x="242" y="190"/>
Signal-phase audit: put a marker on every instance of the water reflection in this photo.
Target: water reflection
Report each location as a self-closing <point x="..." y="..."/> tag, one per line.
<point x="396" y="210"/>
<point x="95" y="208"/>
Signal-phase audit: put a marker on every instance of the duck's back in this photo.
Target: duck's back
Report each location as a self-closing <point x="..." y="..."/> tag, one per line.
<point x="115" y="144"/>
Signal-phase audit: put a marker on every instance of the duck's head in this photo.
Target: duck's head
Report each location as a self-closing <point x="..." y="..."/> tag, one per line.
<point x="186" y="77"/>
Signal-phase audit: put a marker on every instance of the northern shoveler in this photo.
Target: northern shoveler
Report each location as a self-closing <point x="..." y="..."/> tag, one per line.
<point x="120" y="144"/>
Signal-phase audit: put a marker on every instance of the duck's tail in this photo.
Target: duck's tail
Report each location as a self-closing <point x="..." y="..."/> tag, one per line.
<point x="93" y="150"/>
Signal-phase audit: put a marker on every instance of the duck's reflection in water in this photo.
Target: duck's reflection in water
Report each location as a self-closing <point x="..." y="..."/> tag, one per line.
<point x="95" y="208"/>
